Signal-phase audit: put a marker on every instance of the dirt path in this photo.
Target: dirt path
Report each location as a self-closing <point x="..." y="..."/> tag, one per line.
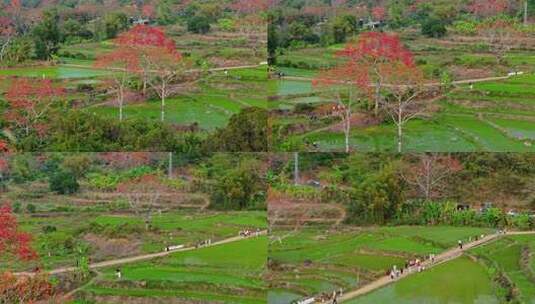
<point x="140" y="257"/>
<point x="439" y="259"/>
<point x="430" y="84"/>
<point x="81" y="66"/>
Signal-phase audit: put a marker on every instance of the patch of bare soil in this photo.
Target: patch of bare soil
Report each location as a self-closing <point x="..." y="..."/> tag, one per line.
<point x="106" y="248"/>
<point x="223" y="62"/>
<point x="295" y="213"/>
<point x="460" y="73"/>
<point x="358" y="120"/>
<point x="130" y="97"/>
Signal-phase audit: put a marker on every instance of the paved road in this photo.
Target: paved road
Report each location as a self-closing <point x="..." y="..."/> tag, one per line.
<point x="140" y="257"/>
<point x="439" y="259"/>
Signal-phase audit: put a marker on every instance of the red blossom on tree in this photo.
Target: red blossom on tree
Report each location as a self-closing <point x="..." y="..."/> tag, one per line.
<point x="145" y="35"/>
<point x="148" y="11"/>
<point x="160" y="62"/>
<point x="374" y="49"/>
<point x="122" y="160"/>
<point x="13" y="241"/>
<point x="124" y="61"/>
<point x="30" y="100"/>
<point x="488" y="8"/>
<point x="4" y="147"/>
<point x="379" y="13"/>
<point x="250" y="6"/>
<point x="351" y="78"/>
<point x="28" y="289"/>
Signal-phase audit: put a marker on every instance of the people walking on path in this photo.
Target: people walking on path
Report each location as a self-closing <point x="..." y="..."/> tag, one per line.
<point x="460" y="243"/>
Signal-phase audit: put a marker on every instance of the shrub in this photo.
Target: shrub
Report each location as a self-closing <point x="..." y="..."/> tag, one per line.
<point x="199" y="25"/>
<point x="17" y="207"/>
<point x="465" y="28"/>
<point x="434" y="28"/>
<point x="49" y="229"/>
<point x="64" y="182"/>
<point x="225" y="24"/>
<point x="30" y="208"/>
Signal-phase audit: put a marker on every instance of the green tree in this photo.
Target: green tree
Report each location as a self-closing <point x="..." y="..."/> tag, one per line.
<point x="47" y="35"/>
<point x="199" y="25"/>
<point x="63" y="182"/>
<point x="245" y="132"/>
<point x="115" y="23"/>
<point x="343" y="27"/>
<point x="434" y="27"/>
<point x="164" y="13"/>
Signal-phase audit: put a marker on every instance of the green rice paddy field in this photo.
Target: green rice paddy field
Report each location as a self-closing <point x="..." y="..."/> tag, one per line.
<point x="494" y="116"/>
<point x="313" y="261"/>
<point x="210" y="103"/>
<point x="469" y="279"/>
<point x="177" y="227"/>
<point x="229" y="273"/>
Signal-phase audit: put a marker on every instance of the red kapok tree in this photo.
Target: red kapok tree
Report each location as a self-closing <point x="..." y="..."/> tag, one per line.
<point x="30" y="100"/>
<point x="28" y="289"/>
<point x="250" y="6"/>
<point x="4" y="146"/>
<point x="124" y="62"/>
<point x="374" y="49"/>
<point x="353" y="80"/>
<point x="488" y="8"/>
<point x="12" y="241"/>
<point x="124" y="160"/>
<point x="430" y="173"/>
<point x="142" y="195"/>
<point x="379" y="13"/>
<point x="405" y="85"/>
<point x="501" y="35"/>
<point x="159" y="60"/>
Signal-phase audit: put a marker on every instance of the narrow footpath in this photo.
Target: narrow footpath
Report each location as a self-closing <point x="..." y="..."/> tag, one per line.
<point x="142" y="257"/>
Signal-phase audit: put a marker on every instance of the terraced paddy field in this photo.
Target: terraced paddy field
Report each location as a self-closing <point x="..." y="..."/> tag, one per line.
<point x="63" y="72"/>
<point x="207" y="103"/>
<point x="493" y="116"/>
<point x="472" y="278"/>
<point x="110" y="235"/>
<point x="210" y="104"/>
<point x="228" y="273"/>
<point x="458" y="281"/>
<point x="313" y="260"/>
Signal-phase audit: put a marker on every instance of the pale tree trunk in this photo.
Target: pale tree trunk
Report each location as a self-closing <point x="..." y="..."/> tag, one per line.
<point x="377" y="97"/>
<point x="526" y="13"/>
<point x="347" y="128"/>
<point x="121" y="101"/>
<point x="170" y="172"/>
<point x="145" y="81"/>
<point x="4" y="48"/>
<point x="400" y="127"/>
<point x="164" y="93"/>
<point x="296" y="168"/>
<point x="347" y="120"/>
